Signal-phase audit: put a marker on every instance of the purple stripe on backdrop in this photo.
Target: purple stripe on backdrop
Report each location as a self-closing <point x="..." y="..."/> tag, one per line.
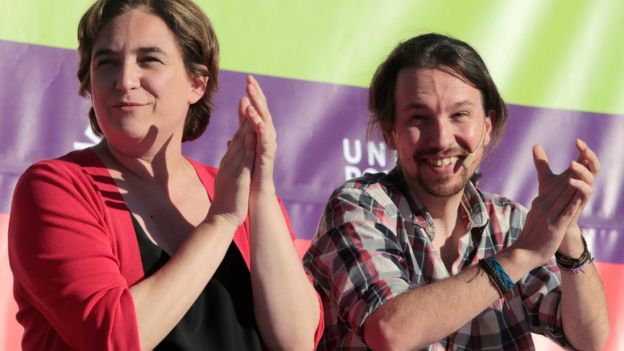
<point x="322" y="137"/>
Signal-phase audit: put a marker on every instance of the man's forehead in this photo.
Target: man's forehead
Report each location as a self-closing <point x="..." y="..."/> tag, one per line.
<point x="417" y="87"/>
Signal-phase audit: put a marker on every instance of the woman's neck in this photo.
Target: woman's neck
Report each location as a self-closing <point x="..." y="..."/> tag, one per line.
<point x="160" y="166"/>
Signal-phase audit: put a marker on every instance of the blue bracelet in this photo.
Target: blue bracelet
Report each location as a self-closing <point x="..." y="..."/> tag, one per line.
<point x="497" y="275"/>
<point x="501" y="272"/>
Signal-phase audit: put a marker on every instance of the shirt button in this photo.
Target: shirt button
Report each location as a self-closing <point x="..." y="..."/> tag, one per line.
<point x="430" y="230"/>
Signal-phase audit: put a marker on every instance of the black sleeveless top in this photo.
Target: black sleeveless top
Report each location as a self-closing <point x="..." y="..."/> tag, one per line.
<point x="222" y="317"/>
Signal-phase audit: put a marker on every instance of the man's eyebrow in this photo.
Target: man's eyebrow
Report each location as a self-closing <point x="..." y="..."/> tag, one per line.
<point x="151" y="50"/>
<point x="463" y="103"/>
<point x="415" y="106"/>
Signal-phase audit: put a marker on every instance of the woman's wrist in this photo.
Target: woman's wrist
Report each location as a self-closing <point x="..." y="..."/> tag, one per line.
<point x="225" y="222"/>
<point x="262" y="184"/>
<point x="263" y="191"/>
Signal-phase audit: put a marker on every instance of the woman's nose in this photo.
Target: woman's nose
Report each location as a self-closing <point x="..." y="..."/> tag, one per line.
<point x="128" y="77"/>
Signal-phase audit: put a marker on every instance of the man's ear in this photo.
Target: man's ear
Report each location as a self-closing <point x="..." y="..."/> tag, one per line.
<point x="489" y="119"/>
<point x="389" y="136"/>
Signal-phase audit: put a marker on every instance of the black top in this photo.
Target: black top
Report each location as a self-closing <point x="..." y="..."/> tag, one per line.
<point x="222" y="317"/>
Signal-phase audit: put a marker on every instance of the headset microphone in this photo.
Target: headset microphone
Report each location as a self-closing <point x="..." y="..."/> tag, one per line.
<point x="471" y="155"/>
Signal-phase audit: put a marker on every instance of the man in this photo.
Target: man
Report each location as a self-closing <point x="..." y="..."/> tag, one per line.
<point x="421" y="258"/>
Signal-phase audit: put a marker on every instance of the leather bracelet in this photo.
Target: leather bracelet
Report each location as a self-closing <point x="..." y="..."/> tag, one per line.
<point x="574" y="265"/>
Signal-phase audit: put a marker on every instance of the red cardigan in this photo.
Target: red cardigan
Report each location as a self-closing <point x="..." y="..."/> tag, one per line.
<point x="74" y="255"/>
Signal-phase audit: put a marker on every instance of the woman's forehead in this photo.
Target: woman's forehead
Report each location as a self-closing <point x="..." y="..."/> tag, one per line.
<point x="135" y="30"/>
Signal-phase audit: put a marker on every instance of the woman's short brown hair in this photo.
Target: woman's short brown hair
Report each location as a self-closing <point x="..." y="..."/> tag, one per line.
<point x="433" y="51"/>
<point x="192" y="31"/>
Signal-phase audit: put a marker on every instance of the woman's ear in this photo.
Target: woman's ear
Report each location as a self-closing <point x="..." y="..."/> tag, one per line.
<point x="199" y="82"/>
<point x="198" y="87"/>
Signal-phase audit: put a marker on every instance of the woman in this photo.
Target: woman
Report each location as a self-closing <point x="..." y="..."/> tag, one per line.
<point x="131" y="245"/>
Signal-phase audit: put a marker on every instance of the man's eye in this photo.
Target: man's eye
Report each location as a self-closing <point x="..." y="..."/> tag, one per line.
<point x="150" y="60"/>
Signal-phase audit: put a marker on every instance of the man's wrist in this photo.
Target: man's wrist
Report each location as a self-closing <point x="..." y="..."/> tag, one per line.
<point x="517" y="262"/>
<point x="574" y="264"/>
<point x="572" y="245"/>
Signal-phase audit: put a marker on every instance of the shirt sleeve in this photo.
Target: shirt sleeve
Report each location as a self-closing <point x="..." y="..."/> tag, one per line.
<point x="540" y="290"/>
<point x="64" y="265"/>
<point x="541" y="297"/>
<point x="356" y="258"/>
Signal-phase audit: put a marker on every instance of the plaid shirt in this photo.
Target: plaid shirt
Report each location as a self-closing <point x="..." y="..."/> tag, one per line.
<point x="370" y="247"/>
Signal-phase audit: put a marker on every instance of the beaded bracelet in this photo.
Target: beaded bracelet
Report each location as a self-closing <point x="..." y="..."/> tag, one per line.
<point x="574" y="265"/>
<point x="497" y="275"/>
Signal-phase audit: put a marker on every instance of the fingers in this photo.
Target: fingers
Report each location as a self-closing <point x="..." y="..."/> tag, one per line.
<point x="233" y="180"/>
<point x="541" y="164"/>
<point x="547" y="221"/>
<point x="572" y="186"/>
<point x="243" y="103"/>
<point x="569" y="212"/>
<point x="584" y="168"/>
<point x="587" y="157"/>
<point x="579" y="178"/>
<point x="571" y="206"/>
<point x="252" y="115"/>
<point x="555" y="211"/>
<point x="581" y="172"/>
<point x="254" y="108"/>
<point x="558" y="195"/>
<point x="584" y="190"/>
<point x="237" y="147"/>
<point x="257" y="98"/>
<point x="561" y="199"/>
<point x="247" y="112"/>
<point x="557" y="199"/>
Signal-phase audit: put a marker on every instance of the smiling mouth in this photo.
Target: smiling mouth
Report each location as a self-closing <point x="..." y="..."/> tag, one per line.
<point x="441" y="161"/>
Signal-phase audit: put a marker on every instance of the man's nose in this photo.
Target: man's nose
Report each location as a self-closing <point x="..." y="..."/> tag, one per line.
<point x="440" y="134"/>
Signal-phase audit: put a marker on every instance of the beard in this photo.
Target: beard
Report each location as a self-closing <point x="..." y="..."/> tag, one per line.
<point x="447" y="185"/>
<point x="444" y="186"/>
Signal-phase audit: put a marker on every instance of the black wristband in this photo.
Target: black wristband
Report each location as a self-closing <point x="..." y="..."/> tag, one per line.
<point x="574" y="265"/>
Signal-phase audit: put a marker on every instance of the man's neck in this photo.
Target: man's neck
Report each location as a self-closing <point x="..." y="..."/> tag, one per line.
<point x="443" y="209"/>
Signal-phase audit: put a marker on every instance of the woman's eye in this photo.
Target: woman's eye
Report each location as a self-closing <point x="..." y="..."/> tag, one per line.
<point x="104" y="62"/>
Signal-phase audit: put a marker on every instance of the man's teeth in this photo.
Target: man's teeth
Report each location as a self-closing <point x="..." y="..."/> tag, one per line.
<point x="441" y="162"/>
